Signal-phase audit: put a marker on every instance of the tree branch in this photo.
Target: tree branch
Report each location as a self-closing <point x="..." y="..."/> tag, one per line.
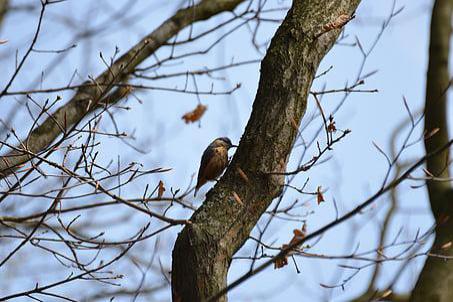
<point x="334" y="223"/>
<point x="436" y="278"/>
<point x="437" y="85"/>
<point x="87" y="98"/>
<point x="203" y="250"/>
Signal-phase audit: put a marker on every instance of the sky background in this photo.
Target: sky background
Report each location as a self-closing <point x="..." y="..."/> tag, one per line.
<point x="354" y="171"/>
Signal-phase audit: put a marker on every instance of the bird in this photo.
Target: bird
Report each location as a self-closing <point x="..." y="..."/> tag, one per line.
<point x="213" y="161"/>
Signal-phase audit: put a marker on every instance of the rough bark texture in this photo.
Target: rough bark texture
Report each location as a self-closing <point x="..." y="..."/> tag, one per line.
<point x="436" y="280"/>
<point x="203" y="250"/>
<point x="88" y="98"/>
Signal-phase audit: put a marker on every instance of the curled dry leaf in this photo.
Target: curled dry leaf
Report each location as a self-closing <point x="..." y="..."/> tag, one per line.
<point x="194" y="115"/>
<point x="299" y="234"/>
<point x="319" y="196"/>
<point x="237" y="198"/>
<point x="281" y="261"/>
<point x="294" y="124"/>
<point x="386" y="293"/>
<point x="446" y="245"/>
<point x="242" y="174"/>
<point x="339" y="22"/>
<point x="160" y="189"/>
<point x="331" y="127"/>
<point x="429" y="134"/>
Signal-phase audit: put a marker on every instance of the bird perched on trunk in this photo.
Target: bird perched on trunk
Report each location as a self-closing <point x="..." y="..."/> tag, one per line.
<point x="213" y="161"/>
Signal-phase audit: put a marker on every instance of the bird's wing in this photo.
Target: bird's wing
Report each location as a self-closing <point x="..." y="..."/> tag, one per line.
<point x="216" y="164"/>
<point x="208" y="154"/>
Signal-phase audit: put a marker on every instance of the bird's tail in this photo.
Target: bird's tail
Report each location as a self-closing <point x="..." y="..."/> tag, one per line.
<point x="201" y="181"/>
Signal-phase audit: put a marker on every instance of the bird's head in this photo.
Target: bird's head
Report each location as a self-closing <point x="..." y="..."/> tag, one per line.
<point x="224" y="142"/>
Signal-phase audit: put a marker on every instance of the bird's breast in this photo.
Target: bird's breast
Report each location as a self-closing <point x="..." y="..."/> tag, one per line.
<point x="217" y="163"/>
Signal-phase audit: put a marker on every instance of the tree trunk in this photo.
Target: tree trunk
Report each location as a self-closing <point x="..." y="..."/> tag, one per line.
<point x="203" y="250"/>
<point x="436" y="279"/>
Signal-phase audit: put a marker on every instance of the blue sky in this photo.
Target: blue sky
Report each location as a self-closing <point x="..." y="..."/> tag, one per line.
<point x="354" y="171"/>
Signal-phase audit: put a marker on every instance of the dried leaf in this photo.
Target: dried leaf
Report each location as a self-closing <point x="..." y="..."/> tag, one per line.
<point x="299" y="234"/>
<point x="319" y="196"/>
<point x="294" y="124"/>
<point x="160" y="189"/>
<point x="242" y="174"/>
<point x="429" y="134"/>
<point x="194" y="115"/>
<point x="331" y="127"/>
<point x="237" y="198"/>
<point x="386" y="293"/>
<point x="3" y="41"/>
<point x="339" y="22"/>
<point x="446" y="245"/>
<point x="281" y="261"/>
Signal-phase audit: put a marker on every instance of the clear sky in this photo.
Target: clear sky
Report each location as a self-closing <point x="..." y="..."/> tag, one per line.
<point x="354" y="171"/>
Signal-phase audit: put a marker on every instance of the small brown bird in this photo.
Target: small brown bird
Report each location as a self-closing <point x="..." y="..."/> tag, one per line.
<point x="213" y="161"/>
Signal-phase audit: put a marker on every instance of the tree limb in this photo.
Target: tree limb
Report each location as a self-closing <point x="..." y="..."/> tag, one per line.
<point x="436" y="279"/>
<point x="87" y="98"/>
<point x="203" y="251"/>
<point x="437" y="85"/>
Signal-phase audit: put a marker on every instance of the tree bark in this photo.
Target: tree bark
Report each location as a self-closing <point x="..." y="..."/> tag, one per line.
<point x="436" y="279"/>
<point x="203" y="250"/>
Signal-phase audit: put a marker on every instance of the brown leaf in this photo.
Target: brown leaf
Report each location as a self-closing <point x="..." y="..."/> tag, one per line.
<point x="160" y="189"/>
<point x="194" y="115"/>
<point x="280" y="262"/>
<point x="429" y="134"/>
<point x="319" y="196"/>
<point x="386" y="293"/>
<point x="299" y="234"/>
<point x="339" y="22"/>
<point x="242" y="174"/>
<point x="331" y="127"/>
<point x="237" y="198"/>
<point x="3" y="41"/>
<point x="446" y="245"/>
<point x="294" y="124"/>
